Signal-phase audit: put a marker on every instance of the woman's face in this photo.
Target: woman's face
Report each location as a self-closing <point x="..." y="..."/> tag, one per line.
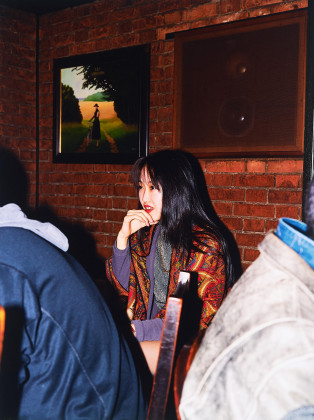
<point x="149" y="196"/>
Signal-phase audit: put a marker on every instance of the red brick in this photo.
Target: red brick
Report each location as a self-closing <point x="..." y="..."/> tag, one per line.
<point x="101" y="202"/>
<point x="251" y="254"/>
<point x="165" y="60"/>
<point x="80" y="213"/>
<point x="92" y="226"/>
<point x="173" y="17"/>
<point x="124" y="191"/>
<point x="124" y="178"/>
<point x="100" y="215"/>
<point x="119" y="168"/>
<point x="125" y="27"/>
<point x="282" y="196"/>
<point x="106" y="227"/>
<point x="81" y="201"/>
<point x="223" y="208"/>
<point x="229" y="6"/>
<point x="60" y="188"/>
<point x="84" y="48"/>
<point x="219" y="179"/>
<point x="110" y="240"/>
<point x="158" y="100"/>
<point x="157" y="74"/>
<point x="147" y="36"/>
<point x="102" y="178"/>
<point x="97" y="202"/>
<point x="132" y="203"/>
<point x="199" y="12"/>
<point x="256" y="166"/>
<point x="125" y="14"/>
<point x="148" y="9"/>
<point x="253" y="180"/>
<point x="285" y="166"/>
<point x="200" y="23"/>
<point x="249" y="4"/>
<point x="80" y="36"/>
<point x="116" y="227"/>
<point x="225" y="166"/>
<point x="119" y="203"/>
<point x="254" y="225"/>
<point x="167" y="5"/>
<point x="288" y="211"/>
<point x="261" y="12"/>
<point x="256" y="196"/>
<point x="102" y="44"/>
<point x="104" y="252"/>
<point x="101" y="190"/>
<point x="227" y="194"/>
<point x="255" y="210"/>
<point x="271" y="225"/>
<point x="164" y="114"/>
<point x="149" y="22"/>
<point x="103" y="31"/>
<point x="233" y="223"/>
<point x="288" y="181"/>
<point x="208" y="179"/>
<point x="285" y="7"/>
<point x="248" y="239"/>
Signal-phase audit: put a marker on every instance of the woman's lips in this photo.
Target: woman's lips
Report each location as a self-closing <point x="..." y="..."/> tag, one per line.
<point x="148" y="209"/>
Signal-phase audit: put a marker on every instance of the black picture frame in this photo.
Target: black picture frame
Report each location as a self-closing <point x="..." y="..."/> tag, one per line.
<point x="116" y="84"/>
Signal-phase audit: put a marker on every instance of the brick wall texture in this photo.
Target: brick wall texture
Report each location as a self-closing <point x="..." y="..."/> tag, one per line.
<point x="249" y="195"/>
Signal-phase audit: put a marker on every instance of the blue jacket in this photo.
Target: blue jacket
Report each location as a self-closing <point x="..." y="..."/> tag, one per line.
<point x="63" y="357"/>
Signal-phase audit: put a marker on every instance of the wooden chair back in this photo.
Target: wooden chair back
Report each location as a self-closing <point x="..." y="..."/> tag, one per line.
<point x="163" y="374"/>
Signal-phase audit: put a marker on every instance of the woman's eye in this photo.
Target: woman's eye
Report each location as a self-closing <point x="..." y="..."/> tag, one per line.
<point x="139" y="187"/>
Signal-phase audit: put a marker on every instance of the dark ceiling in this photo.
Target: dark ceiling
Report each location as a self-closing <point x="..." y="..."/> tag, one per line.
<point x="42" y="6"/>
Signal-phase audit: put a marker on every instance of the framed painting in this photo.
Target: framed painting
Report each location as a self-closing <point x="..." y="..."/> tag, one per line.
<point x="101" y="103"/>
<point x="240" y="87"/>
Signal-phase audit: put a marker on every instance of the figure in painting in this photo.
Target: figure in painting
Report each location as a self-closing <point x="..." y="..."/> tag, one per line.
<point x="96" y="125"/>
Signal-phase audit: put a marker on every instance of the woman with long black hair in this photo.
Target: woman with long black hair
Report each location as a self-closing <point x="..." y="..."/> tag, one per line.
<point x="171" y="232"/>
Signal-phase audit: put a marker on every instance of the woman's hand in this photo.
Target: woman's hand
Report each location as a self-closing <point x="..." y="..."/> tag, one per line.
<point x="132" y="222"/>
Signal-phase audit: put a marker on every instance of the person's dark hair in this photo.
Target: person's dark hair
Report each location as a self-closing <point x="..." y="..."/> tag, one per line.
<point x="309" y="209"/>
<point x="182" y="205"/>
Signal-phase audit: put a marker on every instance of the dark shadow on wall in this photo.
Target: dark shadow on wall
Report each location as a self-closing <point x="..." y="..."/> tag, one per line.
<point x="13" y="180"/>
<point x="82" y="245"/>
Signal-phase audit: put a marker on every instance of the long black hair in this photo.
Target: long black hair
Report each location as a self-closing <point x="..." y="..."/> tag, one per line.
<point x="183" y="205"/>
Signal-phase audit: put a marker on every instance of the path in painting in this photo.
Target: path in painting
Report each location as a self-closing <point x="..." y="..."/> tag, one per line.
<point x="112" y="143"/>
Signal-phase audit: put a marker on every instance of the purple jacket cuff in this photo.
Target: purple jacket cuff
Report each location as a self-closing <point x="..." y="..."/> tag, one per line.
<point x="149" y="330"/>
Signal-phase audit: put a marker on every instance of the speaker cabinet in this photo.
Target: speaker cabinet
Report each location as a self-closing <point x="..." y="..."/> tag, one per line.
<point x="240" y="87"/>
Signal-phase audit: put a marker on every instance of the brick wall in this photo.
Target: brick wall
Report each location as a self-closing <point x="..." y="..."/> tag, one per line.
<point x="251" y="195"/>
<point x="18" y="88"/>
<point x="248" y="195"/>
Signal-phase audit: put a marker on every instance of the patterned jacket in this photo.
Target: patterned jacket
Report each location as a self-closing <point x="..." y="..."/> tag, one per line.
<point x="208" y="264"/>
